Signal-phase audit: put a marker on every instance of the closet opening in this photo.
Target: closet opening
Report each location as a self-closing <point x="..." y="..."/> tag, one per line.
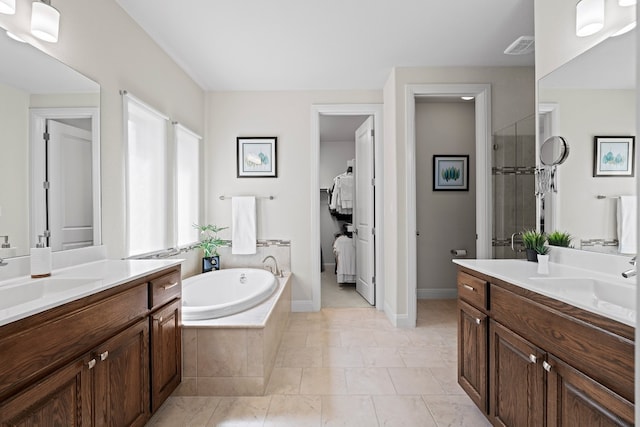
<point x="338" y="229"/>
<point x="358" y="147"/>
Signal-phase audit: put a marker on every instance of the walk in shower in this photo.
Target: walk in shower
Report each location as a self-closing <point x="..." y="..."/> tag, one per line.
<point x="513" y="181"/>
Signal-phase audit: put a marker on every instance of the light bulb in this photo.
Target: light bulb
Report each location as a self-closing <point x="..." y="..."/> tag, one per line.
<point x="589" y="17"/>
<point x="45" y="22"/>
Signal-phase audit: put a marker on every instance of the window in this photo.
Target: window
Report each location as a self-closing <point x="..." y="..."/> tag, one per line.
<point x="162" y="180"/>
<point x="187" y="185"/>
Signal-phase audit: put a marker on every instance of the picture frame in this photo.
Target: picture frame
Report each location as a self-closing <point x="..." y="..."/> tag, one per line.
<point x="613" y="156"/>
<point x="451" y="172"/>
<point x="257" y="157"/>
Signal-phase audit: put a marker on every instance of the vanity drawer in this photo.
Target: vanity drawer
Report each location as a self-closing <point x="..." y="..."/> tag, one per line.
<point x="165" y="288"/>
<point x="472" y="290"/>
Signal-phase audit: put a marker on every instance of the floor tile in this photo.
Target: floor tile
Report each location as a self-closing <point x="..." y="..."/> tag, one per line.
<point x="185" y="411"/>
<point x="323" y="381"/>
<point x="348" y="411"/>
<point x="240" y="412"/>
<point x="294" y="411"/>
<point x="369" y="381"/>
<point x="284" y="381"/>
<point x="342" y="357"/>
<point x="455" y="411"/>
<point x="414" y="381"/>
<point x="410" y="411"/>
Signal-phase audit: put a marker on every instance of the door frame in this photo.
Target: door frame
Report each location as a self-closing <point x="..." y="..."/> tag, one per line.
<point x="482" y="94"/>
<point x="374" y="110"/>
<point x="548" y="116"/>
<point x="37" y="124"/>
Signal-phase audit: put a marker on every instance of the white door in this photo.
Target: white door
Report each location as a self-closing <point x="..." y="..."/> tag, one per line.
<point x="70" y="195"/>
<point x="364" y="215"/>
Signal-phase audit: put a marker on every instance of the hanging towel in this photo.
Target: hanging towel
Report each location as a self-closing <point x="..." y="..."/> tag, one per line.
<point x="243" y="225"/>
<point x="627" y="224"/>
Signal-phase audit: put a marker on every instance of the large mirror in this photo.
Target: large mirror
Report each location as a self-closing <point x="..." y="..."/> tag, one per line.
<point x="594" y="95"/>
<point x="49" y="152"/>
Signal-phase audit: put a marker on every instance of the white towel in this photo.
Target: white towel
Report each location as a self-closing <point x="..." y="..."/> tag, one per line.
<point x="346" y="191"/>
<point x="627" y="218"/>
<point x="243" y="225"/>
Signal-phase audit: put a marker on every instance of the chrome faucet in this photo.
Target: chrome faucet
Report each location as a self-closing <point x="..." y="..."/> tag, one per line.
<point x="632" y="272"/>
<point x="277" y="271"/>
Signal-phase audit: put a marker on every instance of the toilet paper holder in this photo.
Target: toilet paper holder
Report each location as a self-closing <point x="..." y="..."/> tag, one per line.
<point x="459" y="252"/>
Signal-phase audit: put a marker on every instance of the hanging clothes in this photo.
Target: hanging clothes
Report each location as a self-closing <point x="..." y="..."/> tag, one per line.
<point x="341" y="194"/>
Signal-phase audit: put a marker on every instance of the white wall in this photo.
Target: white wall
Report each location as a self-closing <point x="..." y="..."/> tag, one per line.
<point x="584" y="114"/>
<point x="98" y="39"/>
<point x="286" y="115"/>
<point x="446" y="219"/>
<point x="512" y="98"/>
<point x="14" y="171"/>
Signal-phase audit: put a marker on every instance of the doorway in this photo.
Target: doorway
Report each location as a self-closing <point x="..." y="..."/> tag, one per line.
<point x="65" y="177"/>
<point x="481" y="179"/>
<point x="323" y="253"/>
<point x="340" y="169"/>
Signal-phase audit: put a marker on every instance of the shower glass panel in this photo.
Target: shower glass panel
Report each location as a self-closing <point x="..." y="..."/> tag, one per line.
<point x="513" y="179"/>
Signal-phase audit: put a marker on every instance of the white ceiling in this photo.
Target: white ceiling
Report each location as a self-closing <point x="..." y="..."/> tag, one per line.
<point x="329" y="44"/>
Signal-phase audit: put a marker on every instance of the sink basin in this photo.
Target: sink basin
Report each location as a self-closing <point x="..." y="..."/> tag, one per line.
<point x="34" y="289"/>
<point x="612" y="297"/>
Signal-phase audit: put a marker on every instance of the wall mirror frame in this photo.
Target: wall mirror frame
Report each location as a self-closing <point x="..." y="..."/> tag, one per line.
<point x="49" y="185"/>
<point x="593" y="94"/>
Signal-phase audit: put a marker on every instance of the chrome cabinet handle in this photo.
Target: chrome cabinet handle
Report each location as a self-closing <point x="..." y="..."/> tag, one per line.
<point x="478" y="321"/>
<point x="533" y="358"/>
<point x="91" y="363"/>
<point x="173" y="285"/>
<point x="160" y="319"/>
<point x="104" y="355"/>
<point x="547" y="367"/>
<point x="470" y="288"/>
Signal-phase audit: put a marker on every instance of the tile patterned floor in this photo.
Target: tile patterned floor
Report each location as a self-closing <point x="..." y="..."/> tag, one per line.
<point x="349" y="367"/>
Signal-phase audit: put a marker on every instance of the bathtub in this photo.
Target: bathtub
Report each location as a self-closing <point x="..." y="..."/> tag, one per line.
<point x="225" y="292"/>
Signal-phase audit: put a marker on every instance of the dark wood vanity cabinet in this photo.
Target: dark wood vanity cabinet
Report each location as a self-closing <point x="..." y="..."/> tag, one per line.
<point x="547" y="362"/>
<point x="103" y="360"/>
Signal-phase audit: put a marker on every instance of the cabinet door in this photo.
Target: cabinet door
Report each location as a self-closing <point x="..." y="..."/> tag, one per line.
<point x="517" y="379"/>
<point x="61" y="399"/>
<point x="166" y="353"/>
<point x="472" y="353"/>
<point x="121" y="379"/>
<point x="574" y="399"/>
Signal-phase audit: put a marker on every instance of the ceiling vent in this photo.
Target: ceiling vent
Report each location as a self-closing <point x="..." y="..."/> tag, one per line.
<point x="522" y="46"/>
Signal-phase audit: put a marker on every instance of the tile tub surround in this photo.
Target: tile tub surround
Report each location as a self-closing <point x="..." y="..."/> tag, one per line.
<point x="235" y="355"/>
<point x="280" y="249"/>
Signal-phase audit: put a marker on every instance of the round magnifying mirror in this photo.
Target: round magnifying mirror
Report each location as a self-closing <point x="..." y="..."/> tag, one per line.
<point x="554" y="151"/>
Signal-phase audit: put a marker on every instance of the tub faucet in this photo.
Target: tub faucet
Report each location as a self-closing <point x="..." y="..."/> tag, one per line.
<point x="632" y="272"/>
<point x="277" y="271"/>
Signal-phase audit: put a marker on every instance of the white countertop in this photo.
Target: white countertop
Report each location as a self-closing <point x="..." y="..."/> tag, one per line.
<point x="604" y="294"/>
<point x="24" y="296"/>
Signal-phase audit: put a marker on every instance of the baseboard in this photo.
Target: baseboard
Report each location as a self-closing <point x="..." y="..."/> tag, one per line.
<point x="397" y="320"/>
<point x="443" y="293"/>
<point x="302" y="306"/>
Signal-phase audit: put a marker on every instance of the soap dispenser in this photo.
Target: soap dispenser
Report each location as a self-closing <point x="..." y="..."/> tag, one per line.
<point x="40" y="260"/>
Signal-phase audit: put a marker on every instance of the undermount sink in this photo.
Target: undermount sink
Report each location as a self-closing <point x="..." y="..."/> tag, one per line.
<point x="34" y="289"/>
<point x="609" y="296"/>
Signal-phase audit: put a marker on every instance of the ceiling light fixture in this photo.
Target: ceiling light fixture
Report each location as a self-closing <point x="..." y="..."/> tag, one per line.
<point x="45" y="21"/>
<point x="627" y="2"/>
<point x="467" y="98"/>
<point x="589" y="17"/>
<point x="8" y="7"/>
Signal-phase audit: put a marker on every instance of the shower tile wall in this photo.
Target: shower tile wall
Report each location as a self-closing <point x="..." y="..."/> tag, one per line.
<point x="514" y="204"/>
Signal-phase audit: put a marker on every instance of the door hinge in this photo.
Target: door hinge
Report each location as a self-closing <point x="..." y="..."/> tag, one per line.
<point x="373" y="231"/>
<point x="46" y="233"/>
<point x="373" y="182"/>
<point x="45" y="136"/>
<point x="373" y="280"/>
<point x="45" y="185"/>
<point x="373" y="133"/>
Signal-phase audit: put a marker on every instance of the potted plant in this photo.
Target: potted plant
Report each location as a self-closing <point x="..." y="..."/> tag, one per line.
<point x="533" y="242"/>
<point x="559" y="238"/>
<point x="209" y="243"/>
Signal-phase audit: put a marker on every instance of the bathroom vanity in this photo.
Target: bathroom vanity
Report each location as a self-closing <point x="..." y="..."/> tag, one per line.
<point x="552" y="349"/>
<point x="110" y="355"/>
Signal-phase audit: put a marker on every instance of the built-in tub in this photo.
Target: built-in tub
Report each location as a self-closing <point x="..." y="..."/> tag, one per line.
<point x="225" y="292"/>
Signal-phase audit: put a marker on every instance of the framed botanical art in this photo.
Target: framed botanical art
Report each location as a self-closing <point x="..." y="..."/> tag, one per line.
<point x="613" y="156"/>
<point x="450" y="173"/>
<point x="256" y="157"/>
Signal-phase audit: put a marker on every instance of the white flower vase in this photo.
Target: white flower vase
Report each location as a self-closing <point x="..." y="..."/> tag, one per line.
<point x="543" y="264"/>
